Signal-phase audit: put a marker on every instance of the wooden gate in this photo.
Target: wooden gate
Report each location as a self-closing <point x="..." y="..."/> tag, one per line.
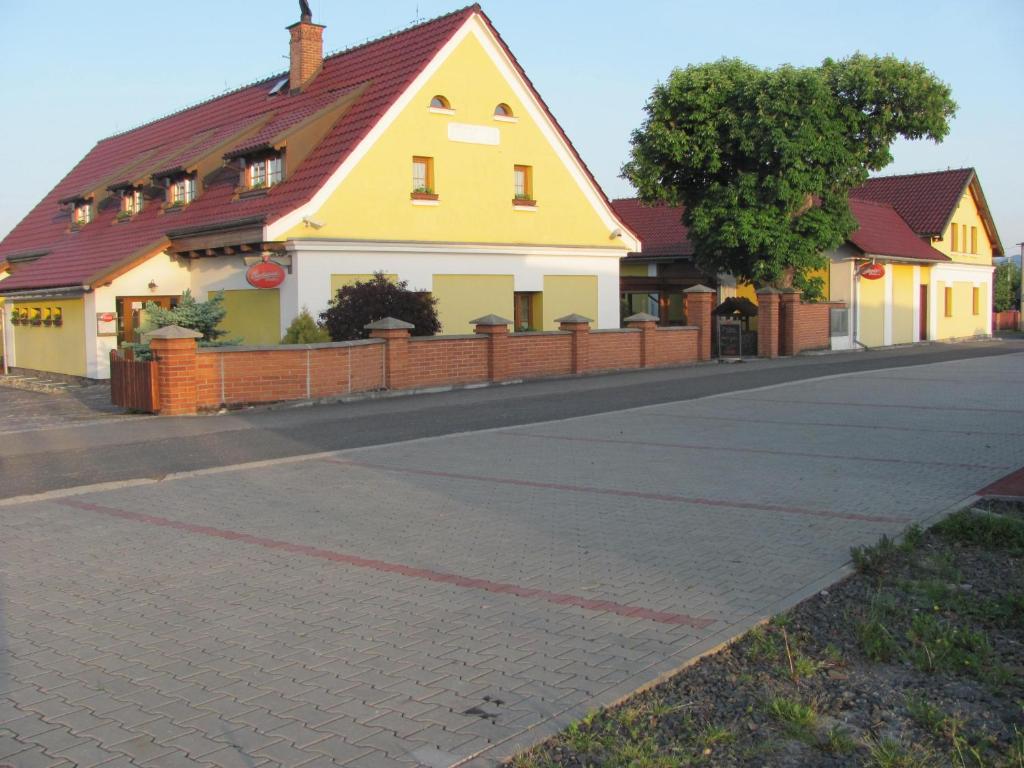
<point x="133" y="383"/>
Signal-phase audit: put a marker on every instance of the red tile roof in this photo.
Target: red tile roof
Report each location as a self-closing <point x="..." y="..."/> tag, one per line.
<point x="659" y="227"/>
<point x="926" y="201"/>
<point x="386" y="67"/>
<point x="881" y="232"/>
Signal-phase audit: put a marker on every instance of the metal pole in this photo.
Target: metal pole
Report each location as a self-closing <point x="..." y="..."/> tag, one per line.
<point x="3" y="335"/>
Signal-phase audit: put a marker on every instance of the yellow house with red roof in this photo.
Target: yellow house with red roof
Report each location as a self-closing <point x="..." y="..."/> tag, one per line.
<point x="427" y="155"/>
<point x="917" y="268"/>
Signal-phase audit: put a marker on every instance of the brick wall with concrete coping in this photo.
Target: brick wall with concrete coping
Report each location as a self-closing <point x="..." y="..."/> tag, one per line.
<point x="788" y="326"/>
<point x="193" y="380"/>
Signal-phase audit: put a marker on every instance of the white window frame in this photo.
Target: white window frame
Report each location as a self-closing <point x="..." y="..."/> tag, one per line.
<point x="182" y="191"/>
<point x="83" y="213"/>
<point x="265" y="172"/>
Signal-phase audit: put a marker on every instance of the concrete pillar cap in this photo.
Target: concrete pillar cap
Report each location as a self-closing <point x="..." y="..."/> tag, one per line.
<point x="389" y="324"/>
<point x="172" y="332"/>
<point x="490" y="320"/>
<point x="573" y="319"/>
<point x="699" y="289"/>
<point x="767" y="291"/>
<point x="641" y="317"/>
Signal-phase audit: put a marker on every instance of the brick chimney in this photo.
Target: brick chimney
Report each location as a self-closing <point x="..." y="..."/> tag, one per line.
<point x="307" y="50"/>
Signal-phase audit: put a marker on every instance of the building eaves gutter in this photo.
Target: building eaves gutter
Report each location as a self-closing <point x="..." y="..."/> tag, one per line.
<point x="210" y="229"/>
<point x="29" y="294"/>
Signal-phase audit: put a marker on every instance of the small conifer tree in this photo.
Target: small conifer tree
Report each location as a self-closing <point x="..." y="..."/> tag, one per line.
<point x="201" y="316"/>
<point x="304" y="330"/>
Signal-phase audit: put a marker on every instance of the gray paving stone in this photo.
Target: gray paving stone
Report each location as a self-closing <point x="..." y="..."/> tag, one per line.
<point x="176" y="635"/>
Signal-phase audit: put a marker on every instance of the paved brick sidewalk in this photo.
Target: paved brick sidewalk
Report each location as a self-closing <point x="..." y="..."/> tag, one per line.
<point x="24" y="411"/>
<point x="449" y="600"/>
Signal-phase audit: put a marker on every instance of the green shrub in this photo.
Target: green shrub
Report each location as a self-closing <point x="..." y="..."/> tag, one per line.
<point x="354" y="306"/>
<point x="304" y="330"/>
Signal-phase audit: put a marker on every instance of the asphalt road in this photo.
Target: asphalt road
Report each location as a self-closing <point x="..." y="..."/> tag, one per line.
<point x="124" y="449"/>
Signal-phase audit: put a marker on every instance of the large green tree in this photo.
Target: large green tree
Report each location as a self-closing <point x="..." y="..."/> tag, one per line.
<point x="764" y="159"/>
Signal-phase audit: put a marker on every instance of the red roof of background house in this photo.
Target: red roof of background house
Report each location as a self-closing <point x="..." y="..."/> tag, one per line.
<point x="926" y="201"/>
<point x="881" y="232"/>
<point x="659" y="227"/>
<point x="385" y="67"/>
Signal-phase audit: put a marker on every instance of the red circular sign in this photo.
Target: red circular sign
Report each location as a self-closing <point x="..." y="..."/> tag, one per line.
<point x="872" y="271"/>
<point x="266" y="274"/>
<point x="108" y="317"/>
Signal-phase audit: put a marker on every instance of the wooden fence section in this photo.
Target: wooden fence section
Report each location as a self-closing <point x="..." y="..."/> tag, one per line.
<point x="1007" y="320"/>
<point x="133" y="383"/>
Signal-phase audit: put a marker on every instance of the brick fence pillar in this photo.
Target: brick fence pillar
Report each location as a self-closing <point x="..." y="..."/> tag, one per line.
<point x="174" y="350"/>
<point x="648" y="327"/>
<point x="789" y="321"/>
<point x="396" y="349"/>
<point x="496" y="330"/>
<point x="698" y="300"/>
<point x="768" y="322"/>
<point x="579" y="327"/>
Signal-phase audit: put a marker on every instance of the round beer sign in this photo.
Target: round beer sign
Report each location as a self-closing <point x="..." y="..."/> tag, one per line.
<point x="266" y="274"/>
<point x="872" y="271"/>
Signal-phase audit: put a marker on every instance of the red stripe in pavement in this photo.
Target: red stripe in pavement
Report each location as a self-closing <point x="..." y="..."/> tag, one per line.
<point x="842" y="404"/>
<point x="836" y="424"/>
<point x="1011" y="485"/>
<point x="604" y="606"/>
<point x="770" y="451"/>
<point x="631" y="494"/>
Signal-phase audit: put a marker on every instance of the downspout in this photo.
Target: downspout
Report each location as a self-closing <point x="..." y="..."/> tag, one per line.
<point x="3" y="335"/>
<point x="856" y="308"/>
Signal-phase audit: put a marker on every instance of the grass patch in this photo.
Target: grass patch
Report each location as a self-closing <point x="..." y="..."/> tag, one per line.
<point x="983" y="530"/>
<point x="892" y="753"/>
<point x="798" y="720"/>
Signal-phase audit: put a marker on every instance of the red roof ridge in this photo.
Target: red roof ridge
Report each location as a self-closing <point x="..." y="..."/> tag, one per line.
<point x="466" y="10"/>
<point x="266" y="80"/>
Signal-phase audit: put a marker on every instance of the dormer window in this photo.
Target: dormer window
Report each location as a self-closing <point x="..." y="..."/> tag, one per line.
<point x="181" y="190"/>
<point x="264" y="172"/>
<point x="82" y="213"/>
<point x="131" y="203"/>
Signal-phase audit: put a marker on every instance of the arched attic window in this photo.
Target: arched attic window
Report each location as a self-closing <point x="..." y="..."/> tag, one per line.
<point x="442" y="103"/>
<point x="504" y="112"/>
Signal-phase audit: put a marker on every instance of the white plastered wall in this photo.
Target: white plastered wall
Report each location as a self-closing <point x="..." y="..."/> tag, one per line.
<point x="171" y="277"/>
<point x="315" y="261"/>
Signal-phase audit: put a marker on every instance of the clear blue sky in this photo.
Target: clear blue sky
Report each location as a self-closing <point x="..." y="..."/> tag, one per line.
<point x="76" y="72"/>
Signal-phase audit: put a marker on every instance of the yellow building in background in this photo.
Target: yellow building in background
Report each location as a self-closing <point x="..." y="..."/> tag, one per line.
<point x="934" y="238"/>
<point x="917" y="268"/>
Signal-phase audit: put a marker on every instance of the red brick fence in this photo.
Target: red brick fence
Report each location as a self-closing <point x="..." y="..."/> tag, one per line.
<point x="788" y="326"/>
<point x="191" y="379"/>
<point x="195" y="379"/>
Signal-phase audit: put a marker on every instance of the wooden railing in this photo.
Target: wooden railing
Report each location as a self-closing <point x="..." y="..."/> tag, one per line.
<point x="133" y="383"/>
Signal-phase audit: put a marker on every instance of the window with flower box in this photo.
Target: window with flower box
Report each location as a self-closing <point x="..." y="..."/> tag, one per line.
<point x="181" y="191"/>
<point x="131" y="203"/>
<point x="82" y="213"/>
<point x="264" y="172"/>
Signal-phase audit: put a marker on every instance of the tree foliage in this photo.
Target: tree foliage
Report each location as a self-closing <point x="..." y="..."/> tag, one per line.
<point x="361" y="303"/>
<point x="1005" y="286"/>
<point x="764" y="160"/>
<point x="201" y="316"/>
<point x="305" y="330"/>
